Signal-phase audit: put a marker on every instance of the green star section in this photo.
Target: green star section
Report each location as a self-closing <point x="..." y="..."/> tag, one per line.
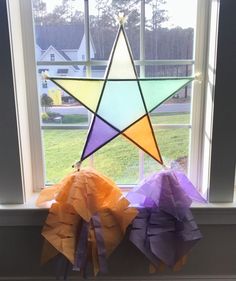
<point x="121" y="102"/>
<point x="155" y="91"/>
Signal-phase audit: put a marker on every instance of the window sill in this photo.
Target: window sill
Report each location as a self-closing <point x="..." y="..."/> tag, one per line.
<point x="30" y="215"/>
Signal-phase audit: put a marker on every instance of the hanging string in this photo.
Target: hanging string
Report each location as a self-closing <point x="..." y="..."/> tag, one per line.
<point x="77" y="165"/>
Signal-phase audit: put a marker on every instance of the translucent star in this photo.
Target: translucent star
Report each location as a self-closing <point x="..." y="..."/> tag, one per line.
<point x="121" y="101"/>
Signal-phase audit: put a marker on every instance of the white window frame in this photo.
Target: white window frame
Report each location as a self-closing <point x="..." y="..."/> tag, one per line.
<point x="142" y="63"/>
<point x="33" y="142"/>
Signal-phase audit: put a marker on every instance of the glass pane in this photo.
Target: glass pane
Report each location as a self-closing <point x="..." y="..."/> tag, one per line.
<point x="174" y="146"/>
<point x="98" y="71"/>
<point x="168" y="70"/>
<point x="170" y="118"/>
<point x="62" y="148"/>
<point x="104" y="27"/>
<point x="175" y="110"/>
<point x="59" y="30"/>
<point x="169" y="29"/>
<point x="118" y="160"/>
<point x="57" y="106"/>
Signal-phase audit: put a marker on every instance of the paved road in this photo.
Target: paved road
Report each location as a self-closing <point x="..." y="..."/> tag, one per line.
<point x="170" y="108"/>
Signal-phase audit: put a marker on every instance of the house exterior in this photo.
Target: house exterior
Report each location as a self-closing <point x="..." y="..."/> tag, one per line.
<point x="60" y="43"/>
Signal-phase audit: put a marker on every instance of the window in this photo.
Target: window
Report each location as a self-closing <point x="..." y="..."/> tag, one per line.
<point x="62" y="71"/>
<point x="147" y="64"/>
<point x="160" y="48"/>
<point x="52" y="57"/>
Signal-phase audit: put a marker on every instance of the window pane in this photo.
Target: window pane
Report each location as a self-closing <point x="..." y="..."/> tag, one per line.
<point x="104" y="26"/>
<point x="57" y="12"/>
<point x="118" y="160"/>
<point x="169" y="29"/>
<point x="62" y="149"/>
<point x="175" y="110"/>
<point x="173" y="144"/>
<point x="170" y="118"/>
<point x="59" y="37"/>
<point x="168" y="70"/>
<point x="98" y="71"/>
<point x="59" y="30"/>
<point x="59" y="110"/>
<point x="57" y="107"/>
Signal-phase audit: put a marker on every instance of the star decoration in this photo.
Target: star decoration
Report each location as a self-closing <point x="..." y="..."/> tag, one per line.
<point x="121" y="101"/>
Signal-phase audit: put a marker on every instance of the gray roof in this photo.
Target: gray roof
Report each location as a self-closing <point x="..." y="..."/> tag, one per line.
<point x="64" y="55"/>
<point x="61" y="37"/>
<point x="67" y="58"/>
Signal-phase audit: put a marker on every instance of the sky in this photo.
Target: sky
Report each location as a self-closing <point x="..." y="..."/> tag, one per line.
<point x="181" y="12"/>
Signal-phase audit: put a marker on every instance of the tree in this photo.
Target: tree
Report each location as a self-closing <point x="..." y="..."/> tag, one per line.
<point x="39" y="11"/>
<point x="104" y="26"/>
<point x="64" y="13"/>
<point x="46" y="102"/>
<point x="159" y="14"/>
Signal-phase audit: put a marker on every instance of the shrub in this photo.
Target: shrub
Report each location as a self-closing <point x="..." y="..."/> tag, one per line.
<point x="53" y="115"/>
<point x="46" y="102"/>
<point x="44" y="116"/>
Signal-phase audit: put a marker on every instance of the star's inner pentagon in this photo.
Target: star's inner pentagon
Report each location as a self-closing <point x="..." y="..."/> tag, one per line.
<point x="121" y="103"/>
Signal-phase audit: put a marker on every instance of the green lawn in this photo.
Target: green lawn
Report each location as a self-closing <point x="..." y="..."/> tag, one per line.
<point x="119" y="158"/>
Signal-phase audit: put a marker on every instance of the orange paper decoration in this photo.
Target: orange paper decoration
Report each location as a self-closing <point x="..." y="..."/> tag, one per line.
<point x="79" y="197"/>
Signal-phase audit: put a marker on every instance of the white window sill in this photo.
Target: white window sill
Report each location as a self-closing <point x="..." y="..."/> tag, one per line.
<point x="30" y="215"/>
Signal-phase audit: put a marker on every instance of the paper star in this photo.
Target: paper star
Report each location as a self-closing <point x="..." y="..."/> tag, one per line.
<point x="121" y="101"/>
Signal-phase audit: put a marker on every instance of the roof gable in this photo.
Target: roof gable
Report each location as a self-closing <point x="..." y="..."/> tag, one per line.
<point x="51" y="49"/>
<point x="61" y="54"/>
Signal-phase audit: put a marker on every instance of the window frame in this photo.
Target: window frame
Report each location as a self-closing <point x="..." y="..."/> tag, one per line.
<point x="142" y="62"/>
<point x="198" y="107"/>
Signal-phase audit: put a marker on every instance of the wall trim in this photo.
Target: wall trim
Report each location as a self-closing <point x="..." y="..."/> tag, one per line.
<point x="145" y="278"/>
<point x="29" y="215"/>
<point x="35" y="216"/>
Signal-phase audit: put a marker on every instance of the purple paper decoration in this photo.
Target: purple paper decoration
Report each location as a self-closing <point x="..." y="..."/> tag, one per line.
<point x="81" y="250"/>
<point x="81" y="255"/>
<point x="100" y="243"/>
<point x="188" y="187"/>
<point x="162" y="237"/>
<point x="164" y="230"/>
<point x="100" y="134"/>
<point x="168" y="189"/>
